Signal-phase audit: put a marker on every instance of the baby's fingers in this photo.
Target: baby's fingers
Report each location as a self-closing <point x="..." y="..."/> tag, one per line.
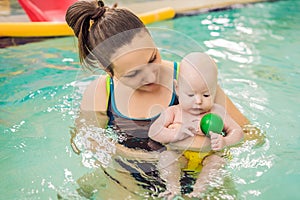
<point x="191" y="131"/>
<point x="213" y="136"/>
<point x="217" y="141"/>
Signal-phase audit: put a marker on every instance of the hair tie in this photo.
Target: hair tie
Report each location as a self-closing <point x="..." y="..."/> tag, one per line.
<point x="99" y="12"/>
<point x="100" y="3"/>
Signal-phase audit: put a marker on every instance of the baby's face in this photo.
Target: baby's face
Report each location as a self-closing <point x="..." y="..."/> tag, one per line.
<point x="196" y="95"/>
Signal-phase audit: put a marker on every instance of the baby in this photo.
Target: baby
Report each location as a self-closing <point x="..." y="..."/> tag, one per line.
<point x="196" y="90"/>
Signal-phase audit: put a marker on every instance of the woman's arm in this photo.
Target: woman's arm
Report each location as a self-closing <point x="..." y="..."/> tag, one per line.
<point x="93" y="106"/>
<point x="223" y="100"/>
<point x="234" y="133"/>
<point x="92" y="110"/>
<point x="95" y="96"/>
<point x="250" y="131"/>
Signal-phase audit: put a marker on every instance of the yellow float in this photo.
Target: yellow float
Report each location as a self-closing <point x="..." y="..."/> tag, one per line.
<point x="53" y="29"/>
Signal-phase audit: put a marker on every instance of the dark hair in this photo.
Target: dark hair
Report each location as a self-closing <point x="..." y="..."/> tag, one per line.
<point x="97" y="28"/>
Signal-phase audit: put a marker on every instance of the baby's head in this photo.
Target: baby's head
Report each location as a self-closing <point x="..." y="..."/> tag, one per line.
<point x="197" y="83"/>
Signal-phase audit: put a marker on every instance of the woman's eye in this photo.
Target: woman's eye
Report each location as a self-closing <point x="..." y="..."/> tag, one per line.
<point x="190" y="95"/>
<point x="206" y="95"/>
<point x="131" y="74"/>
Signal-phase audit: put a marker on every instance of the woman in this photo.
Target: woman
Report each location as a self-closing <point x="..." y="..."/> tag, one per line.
<point x="139" y="84"/>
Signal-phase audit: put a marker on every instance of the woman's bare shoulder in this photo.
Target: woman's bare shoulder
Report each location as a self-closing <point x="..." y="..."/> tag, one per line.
<point x="95" y="95"/>
<point x="167" y="63"/>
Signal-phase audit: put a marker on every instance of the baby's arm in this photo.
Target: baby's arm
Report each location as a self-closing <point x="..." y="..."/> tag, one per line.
<point x="165" y="130"/>
<point x="234" y="133"/>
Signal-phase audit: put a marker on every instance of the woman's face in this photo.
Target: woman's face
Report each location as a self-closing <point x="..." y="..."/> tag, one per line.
<point x="137" y="65"/>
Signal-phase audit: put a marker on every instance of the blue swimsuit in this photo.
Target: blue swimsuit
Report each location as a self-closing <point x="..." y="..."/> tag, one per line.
<point x="133" y="133"/>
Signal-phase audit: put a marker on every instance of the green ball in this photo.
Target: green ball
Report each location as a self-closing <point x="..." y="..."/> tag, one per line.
<point x="211" y="122"/>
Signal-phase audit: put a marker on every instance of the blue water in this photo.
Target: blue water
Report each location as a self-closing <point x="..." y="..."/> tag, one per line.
<point x="256" y="49"/>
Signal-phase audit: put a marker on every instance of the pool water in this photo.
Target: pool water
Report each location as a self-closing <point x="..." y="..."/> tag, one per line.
<point x="256" y="48"/>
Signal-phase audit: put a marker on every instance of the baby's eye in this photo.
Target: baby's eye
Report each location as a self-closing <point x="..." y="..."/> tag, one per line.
<point x="191" y="95"/>
<point x="206" y="95"/>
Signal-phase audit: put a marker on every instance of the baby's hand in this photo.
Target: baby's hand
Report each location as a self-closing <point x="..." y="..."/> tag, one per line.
<point x="185" y="131"/>
<point x="175" y="126"/>
<point x="199" y="132"/>
<point x="188" y="130"/>
<point x="217" y="141"/>
<point x="182" y="132"/>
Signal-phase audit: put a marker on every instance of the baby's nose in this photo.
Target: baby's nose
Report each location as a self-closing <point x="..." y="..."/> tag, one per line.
<point x="198" y="99"/>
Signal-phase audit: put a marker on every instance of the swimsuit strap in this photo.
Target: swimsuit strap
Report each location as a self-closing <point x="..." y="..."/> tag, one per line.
<point x="175" y="77"/>
<point x="107" y="81"/>
<point x="176" y="70"/>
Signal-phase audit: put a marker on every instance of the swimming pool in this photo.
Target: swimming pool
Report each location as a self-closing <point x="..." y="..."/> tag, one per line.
<point x="256" y="49"/>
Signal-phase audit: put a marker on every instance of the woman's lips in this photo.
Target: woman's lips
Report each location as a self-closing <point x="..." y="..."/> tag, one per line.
<point x="150" y="86"/>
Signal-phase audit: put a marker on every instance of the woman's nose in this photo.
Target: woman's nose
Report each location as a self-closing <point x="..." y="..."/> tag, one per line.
<point x="150" y="76"/>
